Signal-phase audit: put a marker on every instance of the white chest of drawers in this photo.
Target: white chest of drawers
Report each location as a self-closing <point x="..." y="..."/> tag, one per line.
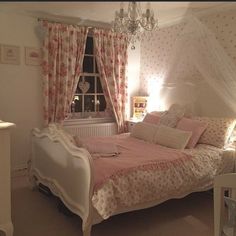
<point x="5" y="179"/>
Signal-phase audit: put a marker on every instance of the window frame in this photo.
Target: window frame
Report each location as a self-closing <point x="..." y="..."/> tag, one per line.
<point x="96" y="113"/>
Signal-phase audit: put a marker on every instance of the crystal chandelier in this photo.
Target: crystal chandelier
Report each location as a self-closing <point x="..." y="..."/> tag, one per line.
<point x="134" y="21"/>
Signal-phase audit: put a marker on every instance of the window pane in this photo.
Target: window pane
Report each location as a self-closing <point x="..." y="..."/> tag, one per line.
<point x="78" y="90"/>
<point x="77" y="103"/>
<point x="88" y="64"/>
<point x="91" y="81"/>
<point x="86" y="102"/>
<point x="89" y="46"/>
<point x="89" y="102"/>
<point x="99" y="86"/>
<point x="102" y="101"/>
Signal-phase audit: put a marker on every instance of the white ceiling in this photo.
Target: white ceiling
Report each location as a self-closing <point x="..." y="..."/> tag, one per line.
<point x="94" y="12"/>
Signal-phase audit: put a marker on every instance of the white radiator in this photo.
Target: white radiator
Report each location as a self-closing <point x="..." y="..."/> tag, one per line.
<point x="87" y="130"/>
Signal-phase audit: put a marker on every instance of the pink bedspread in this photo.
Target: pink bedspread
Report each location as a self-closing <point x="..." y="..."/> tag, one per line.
<point x="145" y="172"/>
<point x="133" y="155"/>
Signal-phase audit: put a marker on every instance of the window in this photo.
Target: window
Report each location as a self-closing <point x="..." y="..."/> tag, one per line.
<point x="89" y="99"/>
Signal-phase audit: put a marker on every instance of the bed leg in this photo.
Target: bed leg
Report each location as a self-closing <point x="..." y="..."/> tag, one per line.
<point x="87" y="230"/>
<point x="32" y="179"/>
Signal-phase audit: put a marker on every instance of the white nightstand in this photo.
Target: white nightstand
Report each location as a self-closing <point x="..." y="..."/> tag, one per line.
<point x="131" y="122"/>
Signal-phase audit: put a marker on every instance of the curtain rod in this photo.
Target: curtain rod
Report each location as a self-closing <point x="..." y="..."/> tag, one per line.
<point x="61" y="22"/>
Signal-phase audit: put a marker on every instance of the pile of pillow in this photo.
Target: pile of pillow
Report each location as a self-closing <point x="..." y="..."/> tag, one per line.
<point x="173" y="129"/>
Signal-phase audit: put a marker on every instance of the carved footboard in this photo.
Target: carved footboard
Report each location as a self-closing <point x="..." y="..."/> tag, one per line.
<point x="66" y="170"/>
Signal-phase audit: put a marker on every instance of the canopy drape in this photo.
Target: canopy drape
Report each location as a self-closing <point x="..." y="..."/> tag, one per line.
<point x="201" y="48"/>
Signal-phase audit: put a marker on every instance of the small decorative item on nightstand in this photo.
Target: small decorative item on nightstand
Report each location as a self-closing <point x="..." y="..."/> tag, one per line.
<point x="139" y="106"/>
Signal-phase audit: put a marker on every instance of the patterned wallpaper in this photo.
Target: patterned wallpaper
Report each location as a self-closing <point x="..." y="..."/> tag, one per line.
<point x="156" y="48"/>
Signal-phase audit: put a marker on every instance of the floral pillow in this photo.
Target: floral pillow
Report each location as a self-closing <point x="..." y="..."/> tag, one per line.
<point x="172" y="116"/>
<point x="177" y="109"/>
<point x="169" y="119"/>
<point x="218" y="130"/>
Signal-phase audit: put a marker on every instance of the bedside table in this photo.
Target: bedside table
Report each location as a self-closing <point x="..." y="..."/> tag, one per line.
<point x="131" y="122"/>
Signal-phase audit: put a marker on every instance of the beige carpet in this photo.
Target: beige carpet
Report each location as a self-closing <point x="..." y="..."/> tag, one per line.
<point x="34" y="214"/>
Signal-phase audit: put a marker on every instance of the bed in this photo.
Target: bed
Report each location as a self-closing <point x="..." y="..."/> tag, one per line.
<point x="140" y="175"/>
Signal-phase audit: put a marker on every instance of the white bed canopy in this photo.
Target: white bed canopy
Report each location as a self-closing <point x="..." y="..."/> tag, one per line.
<point x="200" y="47"/>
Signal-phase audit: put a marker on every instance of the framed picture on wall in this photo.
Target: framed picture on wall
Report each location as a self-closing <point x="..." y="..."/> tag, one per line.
<point x="33" y="56"/>
<point x="9" y="54"/>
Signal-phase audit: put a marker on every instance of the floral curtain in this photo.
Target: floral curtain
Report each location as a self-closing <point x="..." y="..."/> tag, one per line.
<point x="111" y="56"/>
<point x="63" y="49"/>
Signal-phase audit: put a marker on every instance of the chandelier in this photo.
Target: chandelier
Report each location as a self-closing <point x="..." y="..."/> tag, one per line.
<point x="134" y="22"/>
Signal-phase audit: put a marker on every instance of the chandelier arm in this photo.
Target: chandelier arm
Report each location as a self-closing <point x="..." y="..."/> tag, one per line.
<point x="133" y="22"/>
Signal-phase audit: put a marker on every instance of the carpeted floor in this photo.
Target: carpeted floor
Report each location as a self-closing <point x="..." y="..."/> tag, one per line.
<point x="35" y="214"/>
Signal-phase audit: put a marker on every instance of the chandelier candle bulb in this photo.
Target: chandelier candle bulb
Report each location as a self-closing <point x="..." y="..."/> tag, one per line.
<point x="132" y="11"/>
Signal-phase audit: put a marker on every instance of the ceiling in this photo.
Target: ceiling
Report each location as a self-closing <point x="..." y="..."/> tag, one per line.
<point x="92" y="13"/>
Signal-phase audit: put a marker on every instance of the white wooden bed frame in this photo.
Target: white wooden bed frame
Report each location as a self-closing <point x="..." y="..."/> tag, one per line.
<point x="68" y="172"/>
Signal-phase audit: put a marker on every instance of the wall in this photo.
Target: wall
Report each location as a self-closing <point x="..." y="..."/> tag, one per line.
<point x="20" y="86"/>
<point x="210" y="104"/>
<point x="133" y="75"/>
<point x="189" y="87"/>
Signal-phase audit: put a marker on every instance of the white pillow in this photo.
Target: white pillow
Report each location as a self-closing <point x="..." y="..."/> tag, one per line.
<point x="144" y="131"/>
<point x="171" y="137"/>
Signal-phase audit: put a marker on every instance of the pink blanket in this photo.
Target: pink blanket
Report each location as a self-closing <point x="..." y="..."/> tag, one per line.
<point x="102" y="148"/>
<point x="134" y="154"/>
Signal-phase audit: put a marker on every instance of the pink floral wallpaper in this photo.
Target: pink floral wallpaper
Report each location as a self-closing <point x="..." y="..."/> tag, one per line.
<point x="156" y="47"/>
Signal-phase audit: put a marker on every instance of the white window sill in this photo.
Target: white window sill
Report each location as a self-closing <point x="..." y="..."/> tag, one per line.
<point x="85" y="121"/>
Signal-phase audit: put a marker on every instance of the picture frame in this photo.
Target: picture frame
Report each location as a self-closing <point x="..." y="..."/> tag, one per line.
<point x="9" y="54"/>
<point x="33" y="56"/>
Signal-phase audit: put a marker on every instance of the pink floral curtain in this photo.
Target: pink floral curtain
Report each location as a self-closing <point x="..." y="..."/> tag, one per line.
<point x="63" y="49"/>
<point x="111" y="56"/>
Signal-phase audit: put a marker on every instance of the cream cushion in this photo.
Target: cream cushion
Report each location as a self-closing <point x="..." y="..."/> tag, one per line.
<point x="144" y="131"/>
<point x="171" y="137"/>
